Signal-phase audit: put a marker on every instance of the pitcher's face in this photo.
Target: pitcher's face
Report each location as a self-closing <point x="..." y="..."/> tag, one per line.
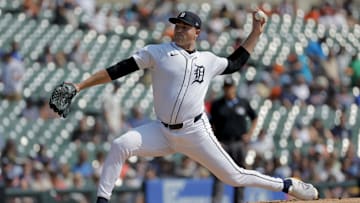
<point x="185" y="34"/>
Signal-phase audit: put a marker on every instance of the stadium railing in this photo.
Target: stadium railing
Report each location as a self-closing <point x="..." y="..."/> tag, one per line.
<point x="90" y="192"/>
<point x="331" y="185"/>
<point x="63" y="196"/>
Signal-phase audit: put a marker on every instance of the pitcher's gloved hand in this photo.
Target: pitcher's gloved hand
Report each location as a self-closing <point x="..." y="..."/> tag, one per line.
<point x="61" y="98"/>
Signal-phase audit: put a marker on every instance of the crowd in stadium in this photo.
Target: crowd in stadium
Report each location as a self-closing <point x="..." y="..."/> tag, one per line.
<point x="314" y="77"/>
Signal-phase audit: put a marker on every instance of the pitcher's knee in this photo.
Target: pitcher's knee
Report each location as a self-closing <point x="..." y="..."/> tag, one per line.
<point x="124" y="145"/>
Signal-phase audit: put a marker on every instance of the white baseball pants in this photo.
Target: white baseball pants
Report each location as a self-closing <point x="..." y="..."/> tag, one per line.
<point x="195" y="140"/>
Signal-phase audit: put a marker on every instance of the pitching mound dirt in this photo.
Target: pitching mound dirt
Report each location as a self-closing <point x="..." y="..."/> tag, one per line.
<point x="346" y="200"/>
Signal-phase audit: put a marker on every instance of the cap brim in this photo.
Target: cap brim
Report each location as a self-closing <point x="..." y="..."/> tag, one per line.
<point x="177" y="20"/>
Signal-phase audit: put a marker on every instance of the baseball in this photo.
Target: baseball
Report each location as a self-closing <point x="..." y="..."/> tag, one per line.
<point x="260" y="15"/>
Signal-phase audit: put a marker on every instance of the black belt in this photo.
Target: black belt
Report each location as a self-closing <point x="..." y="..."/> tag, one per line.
<point x="179" y="125"/>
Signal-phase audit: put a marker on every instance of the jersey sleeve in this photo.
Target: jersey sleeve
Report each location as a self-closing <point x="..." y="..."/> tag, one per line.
<point x="144" y="57"/>
<point x="220" y="64"/>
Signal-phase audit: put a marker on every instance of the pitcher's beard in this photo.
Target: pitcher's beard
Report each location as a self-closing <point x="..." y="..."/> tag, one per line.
<point x="179" y="39"/>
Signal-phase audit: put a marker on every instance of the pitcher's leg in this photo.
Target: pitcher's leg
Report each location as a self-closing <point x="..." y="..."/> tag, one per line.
<point x="208" y="152"/>
<point x="146" y="140"/>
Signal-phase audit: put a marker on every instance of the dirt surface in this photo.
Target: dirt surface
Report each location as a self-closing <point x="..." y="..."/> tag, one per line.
<point x="346" y="200"/>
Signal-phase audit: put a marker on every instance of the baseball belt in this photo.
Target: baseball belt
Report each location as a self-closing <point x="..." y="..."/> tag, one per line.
<point x="179" y="125"/>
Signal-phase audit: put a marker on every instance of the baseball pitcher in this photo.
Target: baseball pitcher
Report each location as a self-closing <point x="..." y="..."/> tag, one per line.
<point x="181" y="76"/>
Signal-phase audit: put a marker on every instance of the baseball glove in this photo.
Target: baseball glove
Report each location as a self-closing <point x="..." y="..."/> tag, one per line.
<point x="61" y="98"/>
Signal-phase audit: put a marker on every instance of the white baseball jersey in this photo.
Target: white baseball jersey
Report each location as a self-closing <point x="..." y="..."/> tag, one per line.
<point x="180" y="80"/>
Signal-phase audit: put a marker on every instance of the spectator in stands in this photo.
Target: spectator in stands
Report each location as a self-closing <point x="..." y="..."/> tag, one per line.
<point x="301" y="132"/>
<point x="287" y="96"/>
<point x="47" y="56"/>
<point x="98" y="132"/>
<point x="248" y="89"/>
<point x="329" y="171"/>
<point x="15" y="51"/>
<point x="82" y="132"/>
<point x="112" y="21"/>
<point x="288" y="7"/>
<point x="281" y="170"/>
<point x="131" y="15"/>
<point x="327" y="12"/>
<point x="331" y="15"/>
<point x="341" y="131"/>
<point x="313" y="14"/>
<point x="60" y="59"/>
<point x="343" y="59"/>
<point x="83" y="166"/>
<point x="300" y="89"/>
<point x="166" y="167"/>
<point x="11" y="173"/>
<point x="187" y="168"/>
<point x="316" y="54"/>
<point x="41" y="181"/>
<point x="351" y="163"/>
<point x="345" y="97"/>
<point x="239" y="17"/>
<point x="211" y="36"/>
<point x="137" y="117"/>
<point x="100" y="159"/>
<point x="150" y="173"/>
<point x="300" y="64"/>
<point x="331" y="68"/>
<point x="10" y="152"/>
<point x="112" y="111"/>
<point x="27" y="174"/>
<point x="12" y="77"/>
<point x="263" y="145"/>
<point x="332" y="95"/>
<point x="60" y="15"/>
<point x="98" y="22"/>
<point x="79" y="55"/>
<point x="350" y="8"/>
<point x="57" y="181"/>
<point x="264" y="85"/>
<point x="70" y="6"/>
<point x="88" y="6"/>
<point x="278" y="75"/>
<point x="43" y="157"/>
<point x="45" y="111"/>
<point x="32" y="8"/>
<point x="66" y="174"/>
<point x="78" y="183"/>
<point x="302" y="165"/>
<point x="31" y="110"/>
<point x="354" y="70"/>
<point x="318" y="89"/>
<point x="216" y="22"/>
<point x="319" y="133"/>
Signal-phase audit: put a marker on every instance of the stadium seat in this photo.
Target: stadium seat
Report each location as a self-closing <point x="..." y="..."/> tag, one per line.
<point x="282" y="35"/>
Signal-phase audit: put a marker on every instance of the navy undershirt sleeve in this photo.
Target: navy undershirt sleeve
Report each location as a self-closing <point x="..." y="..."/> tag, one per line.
<point x="122" y="68"/>
<point x="236" y="60"/>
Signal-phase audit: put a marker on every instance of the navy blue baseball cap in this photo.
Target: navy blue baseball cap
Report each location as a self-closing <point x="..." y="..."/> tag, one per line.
<point x="187" y="17"/>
